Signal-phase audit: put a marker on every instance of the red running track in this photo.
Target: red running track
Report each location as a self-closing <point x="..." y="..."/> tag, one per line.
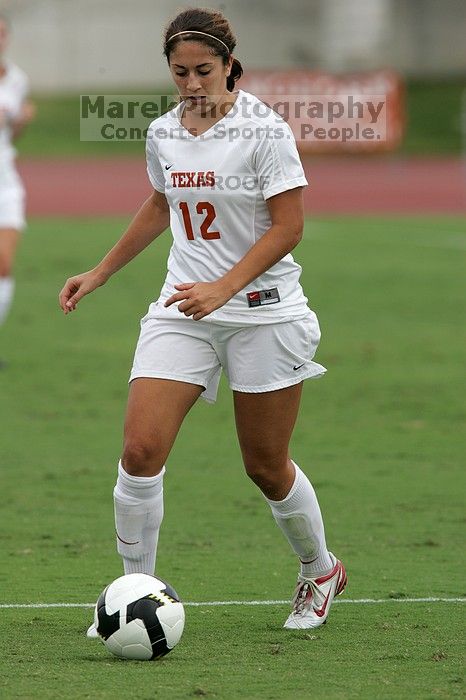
<point x="112" y="187"/>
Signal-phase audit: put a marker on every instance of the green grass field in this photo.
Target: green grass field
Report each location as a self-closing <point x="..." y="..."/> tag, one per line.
<point x="380" y="436"/>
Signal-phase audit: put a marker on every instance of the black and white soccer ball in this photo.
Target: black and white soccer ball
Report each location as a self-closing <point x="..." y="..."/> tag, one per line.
<point x="139" y="617"/>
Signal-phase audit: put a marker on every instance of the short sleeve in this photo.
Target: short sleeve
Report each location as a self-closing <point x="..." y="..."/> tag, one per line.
<point x="154" y="169"/>
<point x="277" y="163"/>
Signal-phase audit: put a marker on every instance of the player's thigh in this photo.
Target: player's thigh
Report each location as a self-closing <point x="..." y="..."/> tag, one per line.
<point x="9" y="239"/>
<point x="265" y="422"/>
<point x="155" y="411"/>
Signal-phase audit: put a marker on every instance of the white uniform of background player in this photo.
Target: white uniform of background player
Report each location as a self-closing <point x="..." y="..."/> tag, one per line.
<point x="15" y="112"/>
<point x="14" y="87"/>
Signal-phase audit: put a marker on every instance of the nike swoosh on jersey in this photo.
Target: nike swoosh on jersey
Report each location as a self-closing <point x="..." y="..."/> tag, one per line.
<point x="167" y="167"/>
<point x="298" y="366"/>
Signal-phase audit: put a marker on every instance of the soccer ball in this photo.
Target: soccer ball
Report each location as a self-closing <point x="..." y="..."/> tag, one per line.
<point x="139" y="617"/>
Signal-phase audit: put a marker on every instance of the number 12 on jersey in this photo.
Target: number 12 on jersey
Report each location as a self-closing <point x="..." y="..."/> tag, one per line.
<point x="210" y="212"/>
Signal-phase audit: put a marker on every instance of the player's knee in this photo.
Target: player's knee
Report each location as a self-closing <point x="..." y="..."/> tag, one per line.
<point x="6" y="266"/>
<point x="141" y="459"/>
<point x="263" y="470"/>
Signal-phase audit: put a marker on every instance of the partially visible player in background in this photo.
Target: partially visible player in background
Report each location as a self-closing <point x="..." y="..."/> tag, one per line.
<point x="16" y="111"/>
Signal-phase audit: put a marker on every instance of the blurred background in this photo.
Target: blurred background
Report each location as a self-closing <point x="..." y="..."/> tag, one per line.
<point x="73" y="45"/>
<point x="114" y="46"/>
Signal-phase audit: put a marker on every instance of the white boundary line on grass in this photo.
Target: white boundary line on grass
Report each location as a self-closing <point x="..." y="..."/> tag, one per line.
<point x="217" y="603"/>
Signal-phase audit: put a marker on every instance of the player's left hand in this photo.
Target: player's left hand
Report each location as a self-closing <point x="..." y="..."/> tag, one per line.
<point x="199" y="298"/>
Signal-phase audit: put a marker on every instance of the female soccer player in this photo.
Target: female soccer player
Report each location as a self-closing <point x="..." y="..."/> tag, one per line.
<point x="16" y="111"/>
<point x="228" y="181"/>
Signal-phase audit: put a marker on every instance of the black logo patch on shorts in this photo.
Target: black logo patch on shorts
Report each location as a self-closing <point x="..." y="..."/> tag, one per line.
<point x="263" y="297"/>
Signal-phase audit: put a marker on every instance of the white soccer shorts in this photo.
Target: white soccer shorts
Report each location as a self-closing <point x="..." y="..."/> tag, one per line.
<point x="12" y="199"/>
<point x="255" y="359"/>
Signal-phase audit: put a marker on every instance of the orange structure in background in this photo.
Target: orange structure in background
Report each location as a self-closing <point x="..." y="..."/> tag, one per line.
<point x="351" y="113"/>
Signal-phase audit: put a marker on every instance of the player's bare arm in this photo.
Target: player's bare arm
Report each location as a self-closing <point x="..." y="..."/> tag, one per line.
<point x="201" y="298"/>
<point x="151" y="221"/>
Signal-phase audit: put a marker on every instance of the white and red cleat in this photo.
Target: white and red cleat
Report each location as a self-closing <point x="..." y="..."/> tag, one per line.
<point x="314" y="596"/>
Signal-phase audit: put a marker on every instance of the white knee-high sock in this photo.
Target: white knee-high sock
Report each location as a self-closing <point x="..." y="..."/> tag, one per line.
<point x="299" y="518"/>
<point x="7" y="288"/>
<point x="138" y="504"/>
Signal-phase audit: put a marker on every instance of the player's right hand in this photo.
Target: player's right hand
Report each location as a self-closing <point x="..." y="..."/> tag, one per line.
<point x="77" y="287"/>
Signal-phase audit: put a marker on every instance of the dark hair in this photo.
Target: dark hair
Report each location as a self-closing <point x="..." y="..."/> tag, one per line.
<point x="213" y="22"/>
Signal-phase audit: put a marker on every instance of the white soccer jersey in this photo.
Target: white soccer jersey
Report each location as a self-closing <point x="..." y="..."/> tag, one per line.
<point x="14" y="87"/>
<point x="217" y="185"/>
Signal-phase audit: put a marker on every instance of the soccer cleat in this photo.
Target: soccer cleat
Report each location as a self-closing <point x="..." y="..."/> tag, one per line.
<point x="92" y="632"/>
<point x="314" y="596"/>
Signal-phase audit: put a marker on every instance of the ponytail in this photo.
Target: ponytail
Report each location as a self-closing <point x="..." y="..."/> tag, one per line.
<point x="235" y="74"/>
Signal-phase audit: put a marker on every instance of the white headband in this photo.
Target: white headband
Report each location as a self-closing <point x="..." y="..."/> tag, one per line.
<point x="194" y="31"/>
